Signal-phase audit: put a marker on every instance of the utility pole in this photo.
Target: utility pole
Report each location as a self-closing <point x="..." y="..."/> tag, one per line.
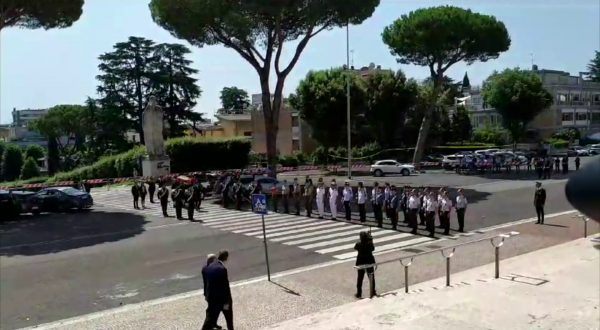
<point x="348" y="124"/>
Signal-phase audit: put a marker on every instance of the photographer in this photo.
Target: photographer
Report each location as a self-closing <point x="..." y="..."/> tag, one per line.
<point x="365" y="256"/>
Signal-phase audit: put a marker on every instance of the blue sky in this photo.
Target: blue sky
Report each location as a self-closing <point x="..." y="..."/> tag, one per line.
<point x="43" y="68"/>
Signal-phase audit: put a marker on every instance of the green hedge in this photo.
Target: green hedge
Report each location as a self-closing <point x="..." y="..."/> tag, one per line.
<point x="558" y="143"/>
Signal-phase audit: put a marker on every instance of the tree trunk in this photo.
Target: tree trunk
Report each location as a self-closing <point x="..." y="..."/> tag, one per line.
<point x="53" y="156"/>
<point x="426" y="123"/>
<point x="271" y="118"/>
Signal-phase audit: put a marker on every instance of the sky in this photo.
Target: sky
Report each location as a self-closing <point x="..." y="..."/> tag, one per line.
<point x="43" y="68"/>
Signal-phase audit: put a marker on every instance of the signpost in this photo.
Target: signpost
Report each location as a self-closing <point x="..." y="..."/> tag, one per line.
<point x="259" y="205"/>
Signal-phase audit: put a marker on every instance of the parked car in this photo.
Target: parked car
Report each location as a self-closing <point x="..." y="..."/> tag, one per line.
<point x="451" y="162"/>
<point x="433" y="158"/>
<point x="594" y="149"/>
<point x="62" y="199"/>
<point x="390" y="166"/>
<point x="9" y="207"/>
<point x="26" y="202"/>
<point x="579" y="151"/>
<point x="486" y="151"/>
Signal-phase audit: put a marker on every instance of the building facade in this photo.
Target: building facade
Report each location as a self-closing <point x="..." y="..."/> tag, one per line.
<point x="19" y="131"/>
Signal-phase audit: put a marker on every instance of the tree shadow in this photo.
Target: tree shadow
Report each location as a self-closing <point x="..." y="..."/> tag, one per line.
<point x="52" y="233"/>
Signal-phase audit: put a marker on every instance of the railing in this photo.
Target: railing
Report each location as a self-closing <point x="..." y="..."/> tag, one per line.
<point x="585" y="222"/>
<point x="447" y="253"/>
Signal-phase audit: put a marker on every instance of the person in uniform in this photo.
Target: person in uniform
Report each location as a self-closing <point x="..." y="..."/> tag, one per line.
<point x="239" y="194"/>
<point x="275" y="197"/>
<point x="445" y="208"/>
<point x="309" y="196"/>
<point x="393" y="206"/>
<point x="198" y="192"/>
<point x="151" y="189"/>
<point x="406" y="193"/>
<point x="422" y="195"/>
<point x="577" y="163"/>
<point x="143" y="193"/>
<point x="556" y="165"/>
<point x="365" y="249"/>
<point x="374" y="192"/>
<point x="361" y="196"/>
<point x="539" y="199"/>
<point x="431" y="207"/>
<point x="163" y="197"/>
<point x="333" y="195"/>
<point x="190" y="199"/>
<point x="461" y="208"/>
<point x="439" y="210"/>
<point x="321" y="198"/>
<point x="565" y="164"/>
<point x="548" y="168"/>
<point x="177" y="197"/>
<point x="347" y="196"/>
<point x="379" y="201"/>
<point x="135" y="192"/>
<point x="285" y="196"/>
<point x="296" y="195"/>
<point x="387" y="196"/>
<point x="413" y="204"/>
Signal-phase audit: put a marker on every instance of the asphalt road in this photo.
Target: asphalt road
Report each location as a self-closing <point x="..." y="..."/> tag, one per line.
<point x="56" y="266"/>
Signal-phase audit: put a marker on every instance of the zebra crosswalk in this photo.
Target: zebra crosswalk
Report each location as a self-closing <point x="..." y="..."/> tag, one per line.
<point x="327" y="237"/>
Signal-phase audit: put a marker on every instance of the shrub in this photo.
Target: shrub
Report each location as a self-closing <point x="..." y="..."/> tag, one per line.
<point x="34" y="151"/>
<point x="198" y="154"/>
<point x="558" y="143"/>
<point x="288" y="161"/>
<point x="30" y="169"/>
<point x="12" y="162"/>
<point x="490" y="135"/>
<point x="366" y="152"/>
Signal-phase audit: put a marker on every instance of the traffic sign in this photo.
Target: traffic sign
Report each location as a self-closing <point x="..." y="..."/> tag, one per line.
<point x="259" y="203"/>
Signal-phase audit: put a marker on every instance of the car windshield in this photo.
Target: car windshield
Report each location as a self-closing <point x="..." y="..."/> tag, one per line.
<point x="70" y="191"/>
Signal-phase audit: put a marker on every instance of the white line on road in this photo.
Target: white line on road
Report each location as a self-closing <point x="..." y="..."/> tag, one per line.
<point x="376" y="241"/>
<point x="343" y="240"/>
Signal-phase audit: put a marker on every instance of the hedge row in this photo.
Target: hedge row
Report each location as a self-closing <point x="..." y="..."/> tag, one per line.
<point x="187" y="155"/>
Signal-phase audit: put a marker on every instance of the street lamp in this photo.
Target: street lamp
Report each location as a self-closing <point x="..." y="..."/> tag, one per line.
<point x="348" y="99"/>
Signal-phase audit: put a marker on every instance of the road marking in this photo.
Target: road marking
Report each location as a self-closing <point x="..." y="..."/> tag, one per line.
<point x="345" y="231"/>
<point x="387" y="247"/>
<point x="375" y="241"/>
<point x="329" y="225"/>
<point x="274" y="228"/>
<point x="343" y="240"/>
<point x="253" y="223"/>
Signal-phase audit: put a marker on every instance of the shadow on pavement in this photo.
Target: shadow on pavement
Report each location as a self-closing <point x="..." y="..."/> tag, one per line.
<point x="51" y="233"/>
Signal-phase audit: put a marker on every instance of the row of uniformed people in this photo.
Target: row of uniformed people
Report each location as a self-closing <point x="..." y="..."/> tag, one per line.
<point x="182" y="196"/>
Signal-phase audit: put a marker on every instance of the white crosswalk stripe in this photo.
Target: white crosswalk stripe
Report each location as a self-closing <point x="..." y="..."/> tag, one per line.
<point x="332" y="238"/>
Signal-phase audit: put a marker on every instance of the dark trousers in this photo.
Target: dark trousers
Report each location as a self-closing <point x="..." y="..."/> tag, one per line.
<point x="308" y="205"/>
<point x="163" y="206"/>
<point x="412" y="215"/>
<point x="539" y="209"/>
<point x="359" y="280"/>
<point x="151" y="193"/>
<point x="576" y="166"/>
<point x="362" y="212"/>
<point x="136" y="204"/>
<point x="178" y="210"/>
<point x="297" y="205"/>
<point x="378" y="213"/>
<point x="143" y="198"/>
<point x="275" y="203"/>
<point x="430" y="222"/>
<point x="238" y="202"/>
<point x="286" y="204"/>
<point x="460" y="214"/>
<point x="347" y="209"/>
<point x="445" y="221"/>
<point x="190" y="211"/>
<point x="393" y="217"/>
<point x="407" y="216"/>
<point x="422" y="217"/>
<point x="212" y="315"/>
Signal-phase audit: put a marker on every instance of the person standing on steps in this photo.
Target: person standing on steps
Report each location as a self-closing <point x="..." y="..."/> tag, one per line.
<point x="151" y="189"/>
<point x="163" y="197"/>
<point x="362" y="199"/>
<point x="539" y="199"/>
<point x="347" y="196"/>
<point x="461" y="209"/>
<point x="365" y="248"/>
<point x="135" y="192"/>
<point x="321" y="198"/>
<point x="296" y="195"/>
<point x="333" y="195"/>
<point x="309" y="196"/>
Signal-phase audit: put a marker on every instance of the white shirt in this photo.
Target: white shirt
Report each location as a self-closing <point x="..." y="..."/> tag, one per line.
<point x="446" y="204"/>
<point x="362" y="195"/>
<point x="414" y="202"/>
<point x="374" y="191"/>
<point x="461" y="202"/>
<point x="387" y="193"/>
<point x="333" y="193"/>
<point x="320" y="192"/>
<point x="347" y="194"/>
<point x="431" y="205"/>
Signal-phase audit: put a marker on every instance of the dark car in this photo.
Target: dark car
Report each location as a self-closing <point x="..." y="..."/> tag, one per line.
<point x="9" y="207"/>
<point x="26" y="202"/>
<point x="62" y="199"/>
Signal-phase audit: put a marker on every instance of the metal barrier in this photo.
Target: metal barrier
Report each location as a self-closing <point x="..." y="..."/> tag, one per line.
<point x="447" y="252"/>
<point x="585" y="222"/>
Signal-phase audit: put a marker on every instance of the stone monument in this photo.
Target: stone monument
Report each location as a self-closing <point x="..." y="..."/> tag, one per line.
<point x="157" y="163"/>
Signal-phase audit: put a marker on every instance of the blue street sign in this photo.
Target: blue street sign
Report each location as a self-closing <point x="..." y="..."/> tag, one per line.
<point x="259" y="203"/>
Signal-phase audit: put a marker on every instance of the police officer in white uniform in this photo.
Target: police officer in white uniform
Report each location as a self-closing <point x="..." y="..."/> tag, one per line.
<point x="431" y="207"/>
<point x="445" y="208"/>
<point x="321" y="198"/>
<point x="333" y="195"/>
<point x="413" y="208"/>
<point x="347" y="196"/>
<point x="362" y="199"/>
<point x="461" y="208"/>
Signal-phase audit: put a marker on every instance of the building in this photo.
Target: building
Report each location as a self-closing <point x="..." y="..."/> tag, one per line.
<point x="576" y="105"/>
<point x="19" y="131"/>
<point x="22" y="118"/>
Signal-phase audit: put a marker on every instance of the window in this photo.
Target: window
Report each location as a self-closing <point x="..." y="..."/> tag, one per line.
<point x="575" y="97"/>
<point x="595" y="117"/>
<point x="567" y="116"/>
<point x="295" y="145"/>
<point x="581" y="116"/>
<point x="247" y="133"/>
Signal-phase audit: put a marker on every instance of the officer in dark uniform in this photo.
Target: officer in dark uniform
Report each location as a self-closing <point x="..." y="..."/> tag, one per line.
<point x="177" y="197"/>
<point x="285" y="196"/>
<point x="393" y="206"/>
<point x="151" y="189"/>
<point x="135" y="192"/>
<point x="163" y="197"/>
<point x="190" y="198"/>
<point x="143" y="193"/>
<point x="422" y="212"/>
<point x="378" y="206"/>
<point x="239" y="194"/>
<point x="296" y="194"/>
<point x="565" y="165"/>
<point x="309" y="196"/>
<point x="404" y="203"/>
<point x="539" y="199"/>
<point x="198" y="191"/>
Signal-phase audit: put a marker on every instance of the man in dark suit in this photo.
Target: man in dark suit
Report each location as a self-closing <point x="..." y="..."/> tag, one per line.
<point x="539" y="199"/>
<point x="218" y="293"/>
<point x="209" y="260"/>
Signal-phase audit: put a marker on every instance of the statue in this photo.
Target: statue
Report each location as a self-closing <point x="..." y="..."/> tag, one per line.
<point x="157" y="163"/>
<point x="152" y="122"/>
